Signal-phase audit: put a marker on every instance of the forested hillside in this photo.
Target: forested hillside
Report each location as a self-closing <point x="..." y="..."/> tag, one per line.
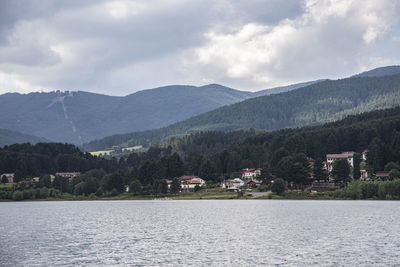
<point x="212" y="156"/>
<point x="8" y="137"/>
<point x="380" y="72"/>
<point x="314" y="104"/>
<point x="26" y="160"/>
<point x="78" y="117"/>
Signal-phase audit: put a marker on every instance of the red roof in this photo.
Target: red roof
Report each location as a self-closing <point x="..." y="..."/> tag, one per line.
<point x="248" y="170"/>
<point x="187" y="177"/>
<point x="382" y="174"/>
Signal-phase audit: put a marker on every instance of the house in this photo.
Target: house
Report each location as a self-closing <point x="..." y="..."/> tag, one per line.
<point x="382" y="175"/>
<point x="169" y="182"/>
<point x="364" y="155"/>
<point x="311" y="162"/>
<point x="250" y="173"/>
<point x="364" y="175"/>
<point x="189" y="182"/>
<point x="35" y="180"/>
<point x="232" y="183"/>
<point x="10" y="177"/>
<point x="330" y="158"/>
<point x="253" y="183"/>
<point x="69" y="175"/>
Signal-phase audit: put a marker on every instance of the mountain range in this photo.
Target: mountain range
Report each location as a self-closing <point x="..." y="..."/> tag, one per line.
<point x="78" y="117"/>
<point x="317" y="103"/>
<point x="155" y="114"/>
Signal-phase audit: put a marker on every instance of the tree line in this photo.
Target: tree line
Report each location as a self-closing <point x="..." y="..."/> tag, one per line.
<point x="214" y="156"/>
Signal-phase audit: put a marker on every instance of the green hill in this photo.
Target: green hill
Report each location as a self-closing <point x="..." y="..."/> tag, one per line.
<point x="318" y="103"/>
<point x="8" y="137"/>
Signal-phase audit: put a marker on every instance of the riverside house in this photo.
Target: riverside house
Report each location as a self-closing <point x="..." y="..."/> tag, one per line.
<point x="189" y="182"/>
<point x="232" y="183"/>
<point x="250" y="173"/>
<point x="69" y="175"/>
<point x="10" y="177"/>
<point x="330" y="158"/>
<point x="381" y="176"/>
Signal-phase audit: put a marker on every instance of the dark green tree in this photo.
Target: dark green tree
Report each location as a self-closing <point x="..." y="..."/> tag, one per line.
<point x="207" y="170"/>
<point x="163" y="187"/>
<point x="135" y="187"/>
<point x="61" y="183"/>
<point x="394" y="174"/>
<point x="356" y="168"/>
<point x="175" y="186"/>
<point x="375" y="155"/>
<point x="44" y="180"/>
<point x="318" y="170"/>
<point x="4" y="179"/>
<point x="278" y="186"/>
<point x="332" y="144"/>
<point x="391" y="165"/>
<point x="298" y="173"/>
<point x="44" y="192"/>
<point x="174" y="166"/>
<point x="341" y="171"/>
<point x="113" y="181"/>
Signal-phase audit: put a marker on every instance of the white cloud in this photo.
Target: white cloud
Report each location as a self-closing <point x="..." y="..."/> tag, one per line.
<point x="120" y="46"/>
<point x="330" y="39"/>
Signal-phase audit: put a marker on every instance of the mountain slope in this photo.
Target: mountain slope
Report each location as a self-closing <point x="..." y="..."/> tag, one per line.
<point x="380" y="72"/>
<point x="78" y="117"/>
<point x="282" y="89"/>
<point x="314" y="104"/>
<point x="8" y="137"/>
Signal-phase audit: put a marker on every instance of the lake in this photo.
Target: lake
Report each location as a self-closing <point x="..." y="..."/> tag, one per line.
<point x="200" y="233"/>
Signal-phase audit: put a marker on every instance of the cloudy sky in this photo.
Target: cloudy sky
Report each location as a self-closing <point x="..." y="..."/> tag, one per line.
<point x="119" y="47"/>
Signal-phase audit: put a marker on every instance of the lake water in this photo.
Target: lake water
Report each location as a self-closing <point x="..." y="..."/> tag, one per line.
<point x="200" y="233"/>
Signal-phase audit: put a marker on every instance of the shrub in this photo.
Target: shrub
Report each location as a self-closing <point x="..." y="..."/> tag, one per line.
<point x="369" y="190"/>
<point x="278" y="186"/>
<point x="44" y="192"/>
<point x="17" y="195"/>
<point x="26" y="194"/>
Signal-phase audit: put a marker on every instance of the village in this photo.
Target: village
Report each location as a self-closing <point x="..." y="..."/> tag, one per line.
<point x="249" y="179"/>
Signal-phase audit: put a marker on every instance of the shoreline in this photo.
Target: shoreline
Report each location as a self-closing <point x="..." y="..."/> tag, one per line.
<point x="197" y="196"/>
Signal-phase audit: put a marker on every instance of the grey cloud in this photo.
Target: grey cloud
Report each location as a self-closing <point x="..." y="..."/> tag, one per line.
<point x="78" y="45"/>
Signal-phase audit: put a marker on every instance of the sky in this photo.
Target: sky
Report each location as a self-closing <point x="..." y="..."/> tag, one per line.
<point x="120" y="47"/>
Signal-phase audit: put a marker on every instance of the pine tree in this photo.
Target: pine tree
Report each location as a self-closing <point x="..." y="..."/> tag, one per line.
<point x="356" y="167"/>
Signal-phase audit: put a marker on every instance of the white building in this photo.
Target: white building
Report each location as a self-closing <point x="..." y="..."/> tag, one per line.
<point x="10" y="177"/>
<point x="188" y="183"/>
<point x="330" y="158"/>
<point x="232" y="183"/>
<point x="249" y="174"/>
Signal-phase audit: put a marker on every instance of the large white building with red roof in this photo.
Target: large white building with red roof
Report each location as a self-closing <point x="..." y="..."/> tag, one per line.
<point x="330" y="158"/>
<point x="189" y="182"/>
<point x="252" y="173"/>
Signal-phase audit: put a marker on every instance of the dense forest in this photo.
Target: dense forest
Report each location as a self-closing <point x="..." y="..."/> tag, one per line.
<point x="318" y="103"/>
<point x="211" y="155"/>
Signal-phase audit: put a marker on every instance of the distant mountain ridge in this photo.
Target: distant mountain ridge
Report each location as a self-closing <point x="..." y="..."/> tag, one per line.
<point x="78" y="117"/>
<point x="318" y="103"/>
<point x="8" y="137"/>
<point x="380" y="72"/>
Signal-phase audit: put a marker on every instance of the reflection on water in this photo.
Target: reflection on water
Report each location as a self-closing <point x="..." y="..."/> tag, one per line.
<point x="200" y="233"/>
